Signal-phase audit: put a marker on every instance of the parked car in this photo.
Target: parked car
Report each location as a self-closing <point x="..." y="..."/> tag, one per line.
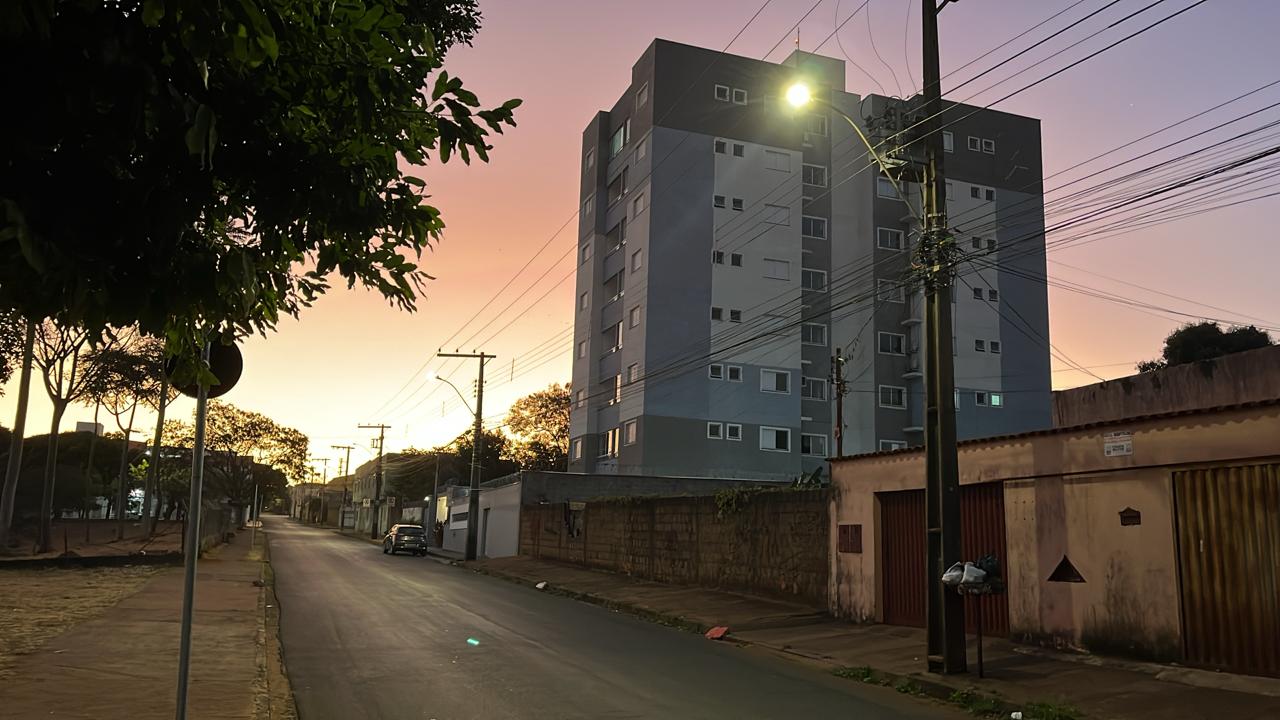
<point x="411" y="538"/>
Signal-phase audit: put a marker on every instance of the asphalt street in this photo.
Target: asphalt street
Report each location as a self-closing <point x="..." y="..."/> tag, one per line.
<point x="373" y="636"/>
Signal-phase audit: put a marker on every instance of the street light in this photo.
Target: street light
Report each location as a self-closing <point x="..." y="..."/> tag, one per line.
<point x="433" y="375"/>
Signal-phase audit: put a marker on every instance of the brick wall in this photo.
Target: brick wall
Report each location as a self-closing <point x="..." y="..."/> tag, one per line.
<point x="772" y="543"/>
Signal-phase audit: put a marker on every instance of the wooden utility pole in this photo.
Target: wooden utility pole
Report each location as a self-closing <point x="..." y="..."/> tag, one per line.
<point x="477" y="445"/>
<point x="351" y="480"/>
<point x="375" y="504"/>
<point x="838" y="389"/>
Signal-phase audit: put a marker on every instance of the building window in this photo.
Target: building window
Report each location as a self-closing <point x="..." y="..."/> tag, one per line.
<point x="977" y="293"/>
<point x="613" y="337"/>
<point x="718" y="201"/>
<point x="885" y="188"/>
<point x="629" y="432"/>
<point x="775" y="160"/>
<point x="637" y="260"/>
<point x="813" y="334"/>
<point x="991" y="195"/>
<point x="948" y="141"/>
<point x="979" y="398"/>
<point x="633" y="372"/>
<point x="991" y="244"/>
<point x="812" y="388"/>
<point x="642" y="149"/>
<point x="989" y="146"/>
<point x="582" y="301"/>
<point x="777" y="214"/>
<point x="892" y="343"/>
<point x="581" y="398"/>
<point x="815" y="175"/>
<point x="717" y="257"/>
<point x="995" y="346"/>
<point x="813" y="227"/>
<point x="739" y="150"/>
<point x="775" y="439"/>
<point x="638" y="206"/>
<point x="587" y="206"/>
<point x="642" y="95"/>
<point x="976" y="243"/>
<point x="609" y="443"/>
<point x="975" y="144"/>
<point x="737" y="204"/>
<point x="616" y="236"/>
<point x="775" y="381"/>
<point x="717" y="313"/>
<point x="997" y="400"/>
<point x="614" y="286"/>
<point x="890" y="291"/>
<point x="576" y="451"/>
<point x="589" y="160"/>
<point x="735" y="259"/>
<point x="893" y="445"/>
<point x="582" y="348"/>
<point x="980" y="345"/>
<point x="815" y="445"/>
<point x="720" y="146"/>
<point x="585" y="253"/>
<point x="733" y="431"/>
<point x="888" y="239"/>
<point x="734" y="373"/>
<point x="993" y="294"/>
<point x="777" y="269"/>
<point x="618" y="187"/>
<point x="620" y="138"/>
<point x="715" y="431"/>
<point x="635" y="317"/>
<point x="735" y="316"/>
<point x="739" y="96"/>
<point x="722" y="93"/>
<point x="715" y="371"/>
<point x="813" y="279"/>
<point x="892" y="396"/>
<point x="975" y="192"/>
<point x="613" y="386"/>
<point x="816" y="125"/>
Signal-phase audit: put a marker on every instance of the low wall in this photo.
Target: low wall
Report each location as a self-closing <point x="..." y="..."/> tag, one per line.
<point x="771" y="542"/>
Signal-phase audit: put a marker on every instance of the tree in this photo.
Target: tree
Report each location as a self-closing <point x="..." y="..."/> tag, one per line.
<point x="13" y="465"/>
<point x="249" y="151"/>
<point x="540" y="423"/>
<point x="12" y="334"/>
<point x="1195" y="342"/>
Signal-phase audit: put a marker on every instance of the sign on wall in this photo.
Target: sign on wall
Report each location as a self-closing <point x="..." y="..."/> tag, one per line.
<point x="1117" y="444"/>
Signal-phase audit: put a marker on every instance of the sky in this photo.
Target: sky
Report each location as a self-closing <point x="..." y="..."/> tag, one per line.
<point x="353" y="359"/>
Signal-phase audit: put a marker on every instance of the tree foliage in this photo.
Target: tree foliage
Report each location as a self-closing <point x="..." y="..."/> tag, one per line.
<point x="1195" y="342"/>
<point x="224" y="159"/>
<point x="540" y="423"/>
<point x="12" y="331"/>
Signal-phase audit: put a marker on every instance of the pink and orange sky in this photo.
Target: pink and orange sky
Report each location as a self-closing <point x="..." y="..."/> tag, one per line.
<point x="345" y="360"/>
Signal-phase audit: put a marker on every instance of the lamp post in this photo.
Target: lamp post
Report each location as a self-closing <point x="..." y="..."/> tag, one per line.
<point x="477" y="444"/>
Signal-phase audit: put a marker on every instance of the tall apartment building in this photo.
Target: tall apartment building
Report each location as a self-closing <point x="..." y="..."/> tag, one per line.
<point x="730" y="244"/>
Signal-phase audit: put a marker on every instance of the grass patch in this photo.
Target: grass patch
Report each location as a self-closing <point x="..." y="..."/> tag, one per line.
<point x="908" y="687"/>
<point x="861" y="674"/>
<point x="1050" y="711"/>
<point x="975" y="704"/>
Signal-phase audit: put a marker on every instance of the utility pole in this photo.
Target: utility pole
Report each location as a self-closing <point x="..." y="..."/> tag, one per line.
<point x="346" y="471"/>
<point x="946" y="651"/>
<point x="838" y="388"/>
<point x="374" y="505"/>
<point x="477" y="444"/>
<point x="435" y="490"/>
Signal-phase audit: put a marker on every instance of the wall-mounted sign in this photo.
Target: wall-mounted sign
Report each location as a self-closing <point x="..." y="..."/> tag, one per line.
<point x="1117" y="444"/>
<point x="1129" y="516"/>
<point x="364" y="502"/>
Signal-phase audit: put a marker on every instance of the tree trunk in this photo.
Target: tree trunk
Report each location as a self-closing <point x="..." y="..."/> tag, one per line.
<point x="88" y="472"/>
<point x="50" y="478"/>
<point x="14" y="466"/>
<point x="122" y="499"/>
<point x="153" y="470"/>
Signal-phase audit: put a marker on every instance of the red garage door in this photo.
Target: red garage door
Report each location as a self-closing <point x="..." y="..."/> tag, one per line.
<point x="903" y="546"/>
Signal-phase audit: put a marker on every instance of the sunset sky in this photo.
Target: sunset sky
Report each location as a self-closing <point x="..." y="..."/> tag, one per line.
<point x="347" y="359"/>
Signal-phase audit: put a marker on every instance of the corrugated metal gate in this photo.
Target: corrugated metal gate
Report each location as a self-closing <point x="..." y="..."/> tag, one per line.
<point x="1228" y="528"/>
<point x="902" y="520"/>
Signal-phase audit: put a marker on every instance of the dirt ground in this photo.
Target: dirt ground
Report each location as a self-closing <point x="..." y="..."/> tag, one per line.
<point x="69" y="535"/>
<point x="37" y="605"/>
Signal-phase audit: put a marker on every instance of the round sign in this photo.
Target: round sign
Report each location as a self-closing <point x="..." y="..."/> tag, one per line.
<point x="225" y="362"/>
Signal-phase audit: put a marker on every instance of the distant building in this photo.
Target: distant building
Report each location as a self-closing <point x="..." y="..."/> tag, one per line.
<point x="89" y="427"/>
<point x="728" y="246"/>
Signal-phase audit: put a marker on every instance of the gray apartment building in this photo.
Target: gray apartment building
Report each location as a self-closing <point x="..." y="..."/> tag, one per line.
<point x="729" y="245"/>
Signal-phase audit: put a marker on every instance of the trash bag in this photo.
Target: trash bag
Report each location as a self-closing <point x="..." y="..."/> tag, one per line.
<point x="953" y="575"/>
<point x="990" y="565"/>
<point x="973" y="575"/>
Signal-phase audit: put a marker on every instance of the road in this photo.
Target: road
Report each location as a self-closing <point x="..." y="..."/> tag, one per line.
<point x="381" y="637"/>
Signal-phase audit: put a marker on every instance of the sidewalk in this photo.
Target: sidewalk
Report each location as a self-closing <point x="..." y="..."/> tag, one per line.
<point x="1017" y="676"/>
<point x="124" y="663"/>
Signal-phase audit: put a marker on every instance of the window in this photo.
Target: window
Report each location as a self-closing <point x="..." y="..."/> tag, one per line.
<point x="816" y="125"/>
<point x="585" y="253"/>
<point x="977" y="293"/>
<point x="614" y="286"/>
<point x="613" y="387"/>
<point x="948" y="141"/>
<point x="812" y="388"/>
<point x="991" y="244"/>
<point x="588" y="205"/>
<point x="620" y="138"/>
<point x="715" y="431"/>
<point x="813" y="227"/>
<point x="589" y="160"/>
<point x="979" y="398"/>
<point x="739" y="96"/>
<point x="642" y="95"/>
<point x="977" y="243"/>
<point x="813" y="334"/>
<point x="717" y="257"/>
<point x="737" y="204"/>
<point x="629" y="432"/>
<point x="633" y="372"/>
<point x="720" y="146"/>
<point x="581" y="398"/>
<point x="980" y="345"/>
<point x="735" y="316"/>
<point x="717" y="313"/>
<point x="815" y="445"/>
<point x="715" y="371"/>
<point x="775" y="381"/>
<point x="813" y="279"/>
<point x="733" y="431"/>
<point x="997" y="400"/>
<point x="775" y="160"/>
<point x="994" y="345"/>
<point x="975" y="192"/>
<point x="975" y="144"/>
<point x="634" y="320"/>
<point x="775" y="439"/>
<point x="989" y="146"/>
<point x="777" y="269"/>
<point x="735" y="259"/>
<point x="638" y="206"/>
<point x="991" y="195"/>
<point x="777" y="214"/>
<point x="637" y="260"/>
<point x="609" y="443"/>
<point x="892" y="445"/>
<point x="892" y="343"/>
<point x="618" y="187"/>
<point x="993" y="294"/>
<point x="889" y="291"/>
<point x="739" y="150"/>
<point x="577" y="449"/>
<point x="815" y="175"/>
<point x="885" y="188"/>
<point x="616" y="236"/>
<point x="613" y="337"/>
<point x="892" y="396"/>
<point x="642" y="149"/>
<point x="722" y="93"/>
<point x="718" y="201"/>
<point x="734" y="373"/>
<point x="582" y="301"/>
<point x="888" y="239"/>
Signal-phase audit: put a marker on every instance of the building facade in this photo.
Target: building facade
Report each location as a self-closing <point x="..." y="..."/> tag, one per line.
<point x="729" y="246"/>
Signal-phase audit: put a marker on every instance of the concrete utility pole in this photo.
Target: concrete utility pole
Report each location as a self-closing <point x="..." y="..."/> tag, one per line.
<point x="946" y="652"/>
<point x="346" y="470"/>
<point x="374" y="505"/>
<point x="477" y="444"/>
<point x="838" y="388"/>
<point x="435" y="490"/>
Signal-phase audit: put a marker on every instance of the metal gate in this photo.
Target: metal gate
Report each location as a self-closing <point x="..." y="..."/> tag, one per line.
<point x="1228" y="528"/>
<point x="903" y="548"/>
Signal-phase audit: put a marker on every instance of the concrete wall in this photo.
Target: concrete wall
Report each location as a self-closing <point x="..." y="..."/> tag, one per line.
<point x="557" y="487"/>
<point x="771" y="542"/>
<point x="499" y="522"/>
<point x="1062" y="498"/>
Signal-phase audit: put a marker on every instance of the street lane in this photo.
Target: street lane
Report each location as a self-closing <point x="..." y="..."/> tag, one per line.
<point x="373" y="636"/>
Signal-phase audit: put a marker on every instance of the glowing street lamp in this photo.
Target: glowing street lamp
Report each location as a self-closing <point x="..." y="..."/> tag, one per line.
<point x="798" y="95"/>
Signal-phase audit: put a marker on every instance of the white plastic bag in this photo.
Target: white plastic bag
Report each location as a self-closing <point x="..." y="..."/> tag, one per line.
<point x="954" y="575"/>
<point x="973" y="575"/>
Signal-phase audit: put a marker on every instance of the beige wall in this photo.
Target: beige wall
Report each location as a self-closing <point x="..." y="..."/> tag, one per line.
<point x="1062" y="497"/>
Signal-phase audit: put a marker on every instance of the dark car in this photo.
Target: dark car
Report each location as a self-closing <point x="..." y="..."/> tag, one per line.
<point x="411" y="538"/>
